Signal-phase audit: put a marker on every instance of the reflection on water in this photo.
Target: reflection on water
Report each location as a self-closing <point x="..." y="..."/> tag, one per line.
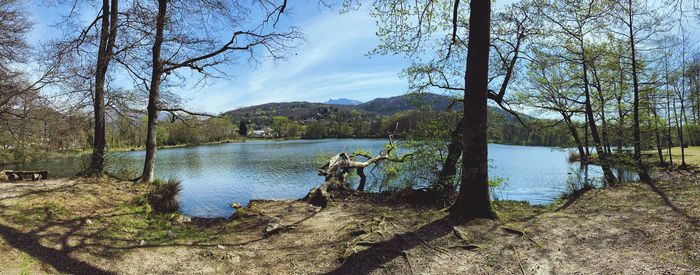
<point x="214" y="176"/>
<point x="581" y="177"/>
<point x="626" y="175"/>
<point x="539" y="175"/>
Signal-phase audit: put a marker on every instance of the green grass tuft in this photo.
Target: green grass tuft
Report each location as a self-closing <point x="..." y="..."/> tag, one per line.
<point x="163" y="195"/>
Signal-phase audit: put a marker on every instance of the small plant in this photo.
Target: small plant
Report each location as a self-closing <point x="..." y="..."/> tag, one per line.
<point x="497" y="185"/>
<point x="163" y="195"/>
<point x="577" y="184"/>
<point x="573" y="156"/>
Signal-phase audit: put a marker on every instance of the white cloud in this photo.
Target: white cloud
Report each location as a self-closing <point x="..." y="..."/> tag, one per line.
<point x="330" y="64"/>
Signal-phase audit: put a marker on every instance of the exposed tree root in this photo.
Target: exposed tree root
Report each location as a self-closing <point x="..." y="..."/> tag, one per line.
<point x="466" y="246"/>
<point x="459" y="234"/>
<point x="519" y="233"/>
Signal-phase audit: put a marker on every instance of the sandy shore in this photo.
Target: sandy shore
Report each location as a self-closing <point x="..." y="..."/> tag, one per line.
<point x="81" y="226"/>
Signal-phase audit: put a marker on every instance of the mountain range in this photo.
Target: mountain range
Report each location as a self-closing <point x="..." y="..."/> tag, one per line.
<point x="343" y="101"/>
<point x="306" y="111"/>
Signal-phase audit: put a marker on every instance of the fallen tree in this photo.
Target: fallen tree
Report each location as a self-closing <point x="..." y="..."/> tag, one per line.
<point x="336" y="173"/>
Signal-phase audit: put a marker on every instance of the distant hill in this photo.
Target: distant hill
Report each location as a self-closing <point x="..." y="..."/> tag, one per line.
<point x="305" y="111"/>
<point x="396" y="104"/>
<point x="343" y="101"/>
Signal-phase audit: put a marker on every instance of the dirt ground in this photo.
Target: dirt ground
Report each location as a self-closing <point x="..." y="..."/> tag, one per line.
<point x="99" y="227"/>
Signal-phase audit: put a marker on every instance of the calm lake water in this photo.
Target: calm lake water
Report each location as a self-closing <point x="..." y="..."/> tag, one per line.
<point x="214" y="176"/>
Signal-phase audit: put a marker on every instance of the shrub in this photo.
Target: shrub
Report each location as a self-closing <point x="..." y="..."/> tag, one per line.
<point x="163" y="195"/>
<point x="497" y="184"/>
<point x="573" y="156"/>
<point x="577" y="184"/>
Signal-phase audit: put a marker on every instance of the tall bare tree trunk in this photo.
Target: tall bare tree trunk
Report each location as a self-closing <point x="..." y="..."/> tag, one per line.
<point x="643" y="174"/>
<point x="668" y="114"/>
<point x="659" y="146"/>
<point x="601" y="98"/>
<point x="620" y="112"/>
<point x="585" y="135"/>
<point x="687" y="128"/>
<point x="474" y="200"/>
<point x="154" y="93"/>
<point x="602" y="155"/>
<point x="108" y="33"/>
<point x="681" y="97"/>
<point x="679" y="128"/>
<point x="679" y="121"/>
<point x="669" y="139"/>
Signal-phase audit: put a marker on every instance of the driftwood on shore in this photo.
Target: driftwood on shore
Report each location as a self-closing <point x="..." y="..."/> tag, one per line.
<point x="336" y="173"/>
<point x="21" y="175"/>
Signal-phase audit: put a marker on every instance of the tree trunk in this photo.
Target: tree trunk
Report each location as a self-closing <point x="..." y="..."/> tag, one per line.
<point x="693" y="109"/>
<point x="620" y="112"/>
<point x="154" y="93"/>
<point x="668" y="114"/>
<point x="604" y="124"/>
<point x="602" y="156"/>
<point x="659" y="146"/>
<point x="336" y="172"/>
<point x="108" y="33"/>
<point x="606" y="142"/>
<point x="322" y="196"/>
<point x="601" y="98"/>
<point x="679" y="122"/>
<point x="684" y="115"/>
<point x="363" y="178"/>
<point x="574" y="133"/>
<point x="585" y="135"/>
<point x="643" y="174"/>
<point x="473" y="200"/>
<point x="454" y="151"/>
<point x="621" y="124"/>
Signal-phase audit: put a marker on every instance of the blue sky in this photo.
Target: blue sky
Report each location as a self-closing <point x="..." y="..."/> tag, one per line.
<point x="330" y="63"/>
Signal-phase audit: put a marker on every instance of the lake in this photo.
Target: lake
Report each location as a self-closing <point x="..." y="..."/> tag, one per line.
<point x="214" y="176"/>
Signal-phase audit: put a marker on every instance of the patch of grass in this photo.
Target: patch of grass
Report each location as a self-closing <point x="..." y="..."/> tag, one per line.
<point x="41" y="214"/>
<point x="26" y="262"/>
<point x="243" y="212"/>
<point x="163" y="195"/>
<point x="517" y="210"/>
<point x="136" y="222"/>
<point x="692" y="155"/>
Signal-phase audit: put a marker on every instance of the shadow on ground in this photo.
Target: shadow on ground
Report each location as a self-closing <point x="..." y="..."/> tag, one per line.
<point x="59" y="259"/>
<point x="381" y="253"/>
<point x="655" y="187"/>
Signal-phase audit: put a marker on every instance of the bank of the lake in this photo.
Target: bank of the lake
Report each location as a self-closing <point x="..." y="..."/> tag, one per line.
<point x="47" y="155"/>
<point x="217" y="175"/>
<point x="102" y="227"/>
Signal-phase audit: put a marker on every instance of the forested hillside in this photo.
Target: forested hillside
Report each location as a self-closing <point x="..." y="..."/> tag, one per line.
<point x="303" y="111"/>
<point x="398" y="115"/>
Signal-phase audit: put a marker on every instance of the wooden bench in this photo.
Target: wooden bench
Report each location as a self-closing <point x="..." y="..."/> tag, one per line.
<point x="20" y="175"/>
